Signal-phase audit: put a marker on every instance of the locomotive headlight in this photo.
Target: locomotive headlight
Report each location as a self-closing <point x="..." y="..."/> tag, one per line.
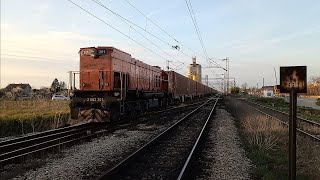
<point x="71" y="94"/>
<point x="116" y="94"/>
<point x="83" y="84"/>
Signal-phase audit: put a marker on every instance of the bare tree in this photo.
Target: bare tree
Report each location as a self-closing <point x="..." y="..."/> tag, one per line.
<point x="244" y="87"/>
<point x="55" y="86"/>
<point x="314" y="86"/>
<point x="62" y="85"/>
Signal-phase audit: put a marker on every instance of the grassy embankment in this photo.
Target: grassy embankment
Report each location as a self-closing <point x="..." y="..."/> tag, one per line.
<point x="20" y="117"/>
<point x="266" y="142"/>
<point x="280" y="104"/>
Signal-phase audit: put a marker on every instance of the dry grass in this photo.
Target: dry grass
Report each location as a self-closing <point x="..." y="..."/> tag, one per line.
<point x="13" y="110"/>
<point x="20" y="117"/>
<point x="312" y="129"/>
<point x="271" y="138"/>
<point x="262" y="132"/>
<point x="308" y="157"/>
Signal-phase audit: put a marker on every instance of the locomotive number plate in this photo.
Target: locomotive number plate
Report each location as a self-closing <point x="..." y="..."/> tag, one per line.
<point x="95" y="99"/>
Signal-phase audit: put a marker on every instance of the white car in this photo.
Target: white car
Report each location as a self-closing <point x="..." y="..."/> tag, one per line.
<point x="59" y="97"/>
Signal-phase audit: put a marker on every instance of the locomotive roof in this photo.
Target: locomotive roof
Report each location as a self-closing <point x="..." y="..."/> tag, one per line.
<point x="105" y="47"/>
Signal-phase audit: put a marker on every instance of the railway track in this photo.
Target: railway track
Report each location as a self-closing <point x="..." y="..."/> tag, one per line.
<point x="11" y="151"/>
<point x="306" y="127"/>
<point x="14" y="149"/>
<point x="167" y="155"/>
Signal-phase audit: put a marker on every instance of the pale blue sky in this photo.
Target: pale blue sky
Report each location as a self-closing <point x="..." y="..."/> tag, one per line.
<point x="40" y="39"/>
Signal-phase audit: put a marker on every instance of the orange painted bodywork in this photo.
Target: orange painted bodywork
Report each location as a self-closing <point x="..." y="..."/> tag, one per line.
<point x="98" y="72"/>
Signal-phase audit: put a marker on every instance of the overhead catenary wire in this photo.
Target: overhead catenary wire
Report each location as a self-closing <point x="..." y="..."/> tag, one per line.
<point x="128" y="21"/>
<point x="195" y="23"/>
<point x="30" y="57"/>
<point x="160" y="27"/>
<point x="208" y="62"/>
<point x="128" y="36"/>
<point x="194" y="20"/>
<point x="206" y="55"/>
<point x="116" y="29"/>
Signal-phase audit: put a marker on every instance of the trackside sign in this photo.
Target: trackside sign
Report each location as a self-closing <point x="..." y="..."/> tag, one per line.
<point x="293" y="77"/>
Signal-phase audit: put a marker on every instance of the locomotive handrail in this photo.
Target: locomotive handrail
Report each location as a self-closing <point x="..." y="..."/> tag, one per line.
<point x="72" y="78"/>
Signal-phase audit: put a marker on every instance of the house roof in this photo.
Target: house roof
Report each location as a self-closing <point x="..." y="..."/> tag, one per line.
<point x="12" y="86"/>
<point x="268" y="88"/>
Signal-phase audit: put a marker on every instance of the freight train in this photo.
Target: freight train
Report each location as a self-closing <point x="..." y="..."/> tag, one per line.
<point x="112" y="85"/>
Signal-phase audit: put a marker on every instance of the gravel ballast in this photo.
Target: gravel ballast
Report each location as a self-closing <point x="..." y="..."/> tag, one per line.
<point x="221" y="155"/>
<point x="230" y="161"/>
<point x="89" y="160"/>
<point x="89" y="156"/>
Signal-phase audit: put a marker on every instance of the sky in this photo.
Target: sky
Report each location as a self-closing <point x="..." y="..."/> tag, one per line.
<point x="40" y="39"/>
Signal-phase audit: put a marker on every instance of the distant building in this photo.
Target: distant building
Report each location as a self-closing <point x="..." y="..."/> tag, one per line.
<point x="267" y="91"/>
<point x="26" y="88"/>
<point x="276" y="90"/>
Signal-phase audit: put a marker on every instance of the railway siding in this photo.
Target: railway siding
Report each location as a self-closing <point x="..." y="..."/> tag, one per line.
<point x="266" y="141"/>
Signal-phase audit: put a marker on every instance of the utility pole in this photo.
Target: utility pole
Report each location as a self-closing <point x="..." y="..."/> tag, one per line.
<point x="275" y="75"/>
<point x="207" y="80"/>
<point x="168" y="64"/>
<point x="262" y="82"/>
<point x="228" y="75"/>
<point x="224" y="83"/>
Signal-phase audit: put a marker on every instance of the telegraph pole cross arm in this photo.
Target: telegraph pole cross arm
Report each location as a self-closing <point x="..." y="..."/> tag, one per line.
<point x="293" y="80"/>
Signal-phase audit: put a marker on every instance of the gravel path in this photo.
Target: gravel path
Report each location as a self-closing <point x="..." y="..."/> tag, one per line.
<point x="221" y="155"/>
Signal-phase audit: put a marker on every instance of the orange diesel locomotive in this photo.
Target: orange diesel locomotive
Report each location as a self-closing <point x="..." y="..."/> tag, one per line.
<point x="112" y="84"/>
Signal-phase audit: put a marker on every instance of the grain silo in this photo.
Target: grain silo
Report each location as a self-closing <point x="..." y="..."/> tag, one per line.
<point x="194" y="70"/>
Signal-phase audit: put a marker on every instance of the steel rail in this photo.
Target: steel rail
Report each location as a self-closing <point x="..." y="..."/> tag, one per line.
<point x="46" y="137"/>
<point x="136" y="153"/>
<point x="287" y="124"/>
<point x="44" y="148"/>
<point x="187" y="163"/>
<point x="44" y="133"/>
<point x="11" y="152"/>
<point x="301" y="118"/>
<point x="30" y="144"/>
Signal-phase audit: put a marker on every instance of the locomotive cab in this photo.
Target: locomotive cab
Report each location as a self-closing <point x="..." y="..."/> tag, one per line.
<point x="103" y="82"/>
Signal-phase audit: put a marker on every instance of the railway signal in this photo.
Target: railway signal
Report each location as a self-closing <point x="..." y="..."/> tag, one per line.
<point x="293" y="80"/>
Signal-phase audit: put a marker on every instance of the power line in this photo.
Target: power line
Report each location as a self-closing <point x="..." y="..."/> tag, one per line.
<point x="195" y="23"/>
<point x="30" y="57"/>
<point x="161" y="28"/>
<point x="196" y="27"/>
<point x="115" y="29"/>
<point x="194" y="20"/>
<point x="168" y="33"/>
<point x="126" y="21"/>
<point x="172" y="36"/>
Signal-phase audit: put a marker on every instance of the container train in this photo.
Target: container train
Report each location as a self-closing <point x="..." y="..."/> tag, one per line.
<point x="112" y="85"/>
